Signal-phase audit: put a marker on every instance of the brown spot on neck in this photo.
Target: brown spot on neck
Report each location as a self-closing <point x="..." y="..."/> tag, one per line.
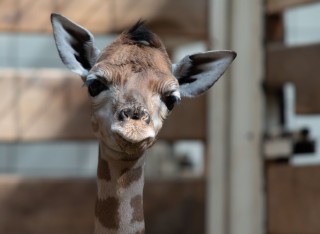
<point x="103" y="169"/>
<point x="107" y="212"/>
<point x="137" y="206"/>
<point x="128" y="176"/>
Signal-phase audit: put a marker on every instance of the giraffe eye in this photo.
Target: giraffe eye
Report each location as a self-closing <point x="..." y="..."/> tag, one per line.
<point x="95" y="87"/>
<point x="170" y="101"/>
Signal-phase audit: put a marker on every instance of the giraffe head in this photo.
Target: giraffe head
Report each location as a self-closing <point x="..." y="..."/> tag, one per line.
<point x="131" y="83"/>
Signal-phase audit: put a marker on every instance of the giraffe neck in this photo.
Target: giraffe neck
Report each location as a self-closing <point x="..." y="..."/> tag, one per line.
<point x="119" y="206"/>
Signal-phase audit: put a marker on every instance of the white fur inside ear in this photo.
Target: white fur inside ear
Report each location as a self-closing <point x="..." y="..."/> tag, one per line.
<point x="181" y="69"/>
<point x="73" y="42"/>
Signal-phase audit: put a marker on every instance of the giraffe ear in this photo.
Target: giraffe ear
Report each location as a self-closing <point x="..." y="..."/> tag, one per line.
<point x="75" y="45"/>
<point x="198" y="72"/>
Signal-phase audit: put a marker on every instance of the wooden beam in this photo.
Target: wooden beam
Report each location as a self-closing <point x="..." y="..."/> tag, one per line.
<point x="299" y="65"/>
<point x="217" y="167"/>
<point x="274" y="31"/>
<point x="292" y="198"/>
<point x="49" y="104"/>
<point x="107" y="16"/>
<point x="43" y="105"/>
<point x="246" y="114"/>
<point x="235" y="186"/>
<point x="276" y="6"/>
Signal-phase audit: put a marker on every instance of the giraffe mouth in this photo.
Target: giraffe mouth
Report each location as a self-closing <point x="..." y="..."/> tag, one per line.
<point x="132" y="134"/>
<point x="130" y="146"/>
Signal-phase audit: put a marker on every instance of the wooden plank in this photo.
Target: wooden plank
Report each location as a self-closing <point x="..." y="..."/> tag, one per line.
<point x="274" y="28"/>
<point x="277" y="148"/>
<point x="293" y="199"/>
<point x="174" y="206"/>
<point x="46" y="205"/>
<point x="187" y="121"/>
<point x="276" y="6"/>
<point x="43" y="105"/>
<point x="66" y="206"/>
<point x="108" y="16"/>
<point x="299" y="65"/>
<point x="49" y="104"/>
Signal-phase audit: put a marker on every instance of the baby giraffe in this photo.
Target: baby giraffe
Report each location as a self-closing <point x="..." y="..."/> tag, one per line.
<point x="132" y="87"/>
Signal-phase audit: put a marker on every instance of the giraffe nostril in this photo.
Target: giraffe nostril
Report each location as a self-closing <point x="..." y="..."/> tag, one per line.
<point x="146" y="118"/>
<point x="124" y="114"/>
<point x="144" y="115"/>
<point x="137" y="114"/>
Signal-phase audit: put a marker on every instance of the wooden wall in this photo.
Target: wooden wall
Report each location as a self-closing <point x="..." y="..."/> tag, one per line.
<point x="296" y="64"/>
<point x="49" y="104"/>
<point x="293" y="193"/>
<point x="41" y="105"/>
<point x="179" y="18"/>
<point x="299" y="65"/>
<point x="276" y="6"/>
<point x="66" y="206"/>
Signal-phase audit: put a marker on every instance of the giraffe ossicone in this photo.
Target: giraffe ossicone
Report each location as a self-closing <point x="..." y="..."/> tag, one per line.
<point x="132" y="87"/>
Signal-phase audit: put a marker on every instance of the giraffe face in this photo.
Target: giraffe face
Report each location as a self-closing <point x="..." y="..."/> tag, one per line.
<point x="131" y="95"/>
<point x="132" y="84"/>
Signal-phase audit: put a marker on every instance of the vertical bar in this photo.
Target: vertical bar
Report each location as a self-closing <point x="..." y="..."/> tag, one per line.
<point x="217" y="182"/>
<point x="246" y="118"/>
<point x="235" y="123"/>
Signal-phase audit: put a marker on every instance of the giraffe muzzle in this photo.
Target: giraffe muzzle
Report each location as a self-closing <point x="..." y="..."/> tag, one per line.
<point x="134" y="113"/>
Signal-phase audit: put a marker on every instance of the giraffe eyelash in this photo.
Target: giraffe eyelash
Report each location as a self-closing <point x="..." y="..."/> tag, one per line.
<point x="171" y="99"/>
<point x="95" y="87"/>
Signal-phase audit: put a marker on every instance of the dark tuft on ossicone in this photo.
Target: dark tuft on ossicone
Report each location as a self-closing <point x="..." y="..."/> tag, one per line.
<point x="141" y="35"/>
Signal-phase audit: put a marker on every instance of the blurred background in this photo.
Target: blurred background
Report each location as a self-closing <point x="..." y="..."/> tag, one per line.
<point x="243" y="159"/>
